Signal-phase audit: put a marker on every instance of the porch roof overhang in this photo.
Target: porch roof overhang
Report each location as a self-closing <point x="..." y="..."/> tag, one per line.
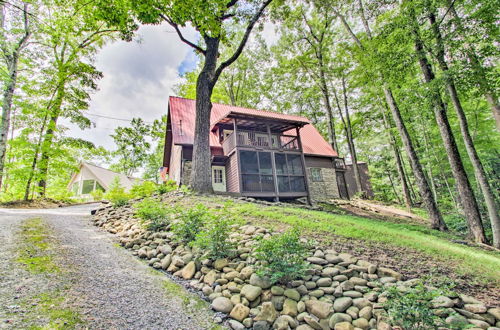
<point x="219" y="160"/>
<point x="277" y="122"/>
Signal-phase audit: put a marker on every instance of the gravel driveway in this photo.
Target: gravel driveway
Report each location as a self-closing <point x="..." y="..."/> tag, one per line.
<point x="110" y="288"/>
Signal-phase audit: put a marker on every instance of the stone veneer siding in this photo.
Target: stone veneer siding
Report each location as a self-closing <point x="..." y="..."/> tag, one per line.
<point x="186" y="172"/>
<point x="327" y="189"/>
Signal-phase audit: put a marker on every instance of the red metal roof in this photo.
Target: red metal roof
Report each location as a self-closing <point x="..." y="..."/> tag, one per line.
<point x="182" y="120"/>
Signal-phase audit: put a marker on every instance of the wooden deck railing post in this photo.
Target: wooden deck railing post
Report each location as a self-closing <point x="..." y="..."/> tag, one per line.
<point x="306" y="179"/>
<point x="273" y="164"/>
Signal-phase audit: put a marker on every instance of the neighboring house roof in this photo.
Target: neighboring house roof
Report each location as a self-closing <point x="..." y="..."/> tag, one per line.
<point x="182" y="120"/>
<point x="105" y="177"/>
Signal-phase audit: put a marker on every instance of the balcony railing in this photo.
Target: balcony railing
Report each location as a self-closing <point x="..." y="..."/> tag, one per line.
<point x="340" y="163"/>
<point x="260" y="140"/>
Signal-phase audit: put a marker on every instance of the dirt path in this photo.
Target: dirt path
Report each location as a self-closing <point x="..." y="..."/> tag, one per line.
<point x="109" y="287"/>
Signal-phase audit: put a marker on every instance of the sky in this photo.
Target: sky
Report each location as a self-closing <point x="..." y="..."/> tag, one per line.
<point x="138" y="78"/>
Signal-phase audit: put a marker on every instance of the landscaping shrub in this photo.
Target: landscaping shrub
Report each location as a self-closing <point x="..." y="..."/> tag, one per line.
<point x="412" y="309"/>
<point x="214" y="238"/>
<point x="166" y="187"/>
<point x="116" y="194"/>
<point x="97" y="195"/>
<point x="190" y="222"/>
<point x="143" y="189"/>
<point x="154" y="214"/>
<point x="283" y="256"/>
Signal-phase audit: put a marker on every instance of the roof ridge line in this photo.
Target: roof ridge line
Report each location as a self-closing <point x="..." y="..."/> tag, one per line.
<point x="237" y="106"/>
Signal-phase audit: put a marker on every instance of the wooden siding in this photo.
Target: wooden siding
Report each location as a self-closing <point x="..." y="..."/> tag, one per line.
<point x="232" y="174"/>
<point x="174" y="172"/>
<point x="323" y="162"/>
<point x="187" y="152"/>
<point x="352" y="188"/>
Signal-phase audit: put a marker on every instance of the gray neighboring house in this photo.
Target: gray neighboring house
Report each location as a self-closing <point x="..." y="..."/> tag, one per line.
<point x="90" y="177"/>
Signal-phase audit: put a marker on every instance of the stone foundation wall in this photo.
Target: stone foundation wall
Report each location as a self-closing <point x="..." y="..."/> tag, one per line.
<point x="338" y="291"/>
<point x="327" y="189"/>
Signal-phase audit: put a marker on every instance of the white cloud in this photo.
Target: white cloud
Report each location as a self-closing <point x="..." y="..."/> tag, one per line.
<point x="138" y="79"/>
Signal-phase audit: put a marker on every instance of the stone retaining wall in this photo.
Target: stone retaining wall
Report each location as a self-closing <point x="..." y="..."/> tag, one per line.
<point x="339" y="291"/>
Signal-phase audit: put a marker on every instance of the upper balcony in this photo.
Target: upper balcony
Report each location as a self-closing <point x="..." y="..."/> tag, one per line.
<point x="259" y="140"/>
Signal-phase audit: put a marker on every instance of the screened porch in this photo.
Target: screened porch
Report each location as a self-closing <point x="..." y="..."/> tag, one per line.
<point x="271" y="173"/>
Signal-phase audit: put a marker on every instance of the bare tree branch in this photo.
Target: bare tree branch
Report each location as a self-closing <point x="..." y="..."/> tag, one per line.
<point x="243" y="42"/>
<point x="231" y="3"/>
<point x="179" y="33"/>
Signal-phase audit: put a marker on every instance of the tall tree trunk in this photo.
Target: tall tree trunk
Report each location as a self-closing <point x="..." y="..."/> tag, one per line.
<point x="348" y="134"/>
<point x="350" y="141"/>
<point x="332" y="136"/>
<point x="423" y="186"/>
<point x="35" y="159"/>
<point x="46" y="149"/>
<point x="393" y="186"/>
<point x="482" y="81"/>
<point x="467" y="198"/>
<point x="479" y="171"/>
<point x="201" y="174"/>
<point x="399" y="164"/>
<point x="12" y="59"/>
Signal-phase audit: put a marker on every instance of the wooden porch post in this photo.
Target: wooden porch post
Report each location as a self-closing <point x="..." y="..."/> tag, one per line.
<point x="237" y="154"/>
<point x="275" y="178"/>
<point x="303" y="165"/>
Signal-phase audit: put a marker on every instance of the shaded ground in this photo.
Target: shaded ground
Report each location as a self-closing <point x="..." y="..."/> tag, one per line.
<point x="100" y="283"/>
<point x="372" y="209"/>
<point x="44" y="203"/>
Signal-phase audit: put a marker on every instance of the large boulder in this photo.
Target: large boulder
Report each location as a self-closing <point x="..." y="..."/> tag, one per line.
<point x="189" y="270"/>
<point x="261" y="282"/>
<point x="342" y="304"/>
<point x="267" y="313"/>
<point x="222" y="304"/>
<point x="318" y="308"/>
<point x="239" y="312"/>
<point x="251" y="292"/>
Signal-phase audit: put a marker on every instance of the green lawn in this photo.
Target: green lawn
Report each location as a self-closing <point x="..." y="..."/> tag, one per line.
<point x="479" y="263"/>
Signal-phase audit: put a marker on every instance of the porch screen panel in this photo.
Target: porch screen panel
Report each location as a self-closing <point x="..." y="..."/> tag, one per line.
<point x="249" y="162"/>
<point x="256" y="171"/>
<point x="294" y="164"/>
<point x="250" y="182"/>
<point x="266" y="166"/>
<point x="290" y="173"/>
<point x="281" y="167"/>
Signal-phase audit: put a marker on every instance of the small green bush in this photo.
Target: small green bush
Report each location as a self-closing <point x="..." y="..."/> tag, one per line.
<point x="214" y="238"/>
<point x="143" y="189"/>
<point x="97" y="194"/>
<point x="412" y="309"/>
<point x="190" y="222"/>
<point x="166" y="187"/>
<point x="283" y="256"/>
<point x="155" y="215"/>
<point x="116" y="194"/>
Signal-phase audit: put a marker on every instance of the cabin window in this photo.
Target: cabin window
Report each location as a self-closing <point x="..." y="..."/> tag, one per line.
<point x="217" y="175"/>
<point x="98" y="186"/>
<point x="88" y="186"/>
<point x="316" y="175"/>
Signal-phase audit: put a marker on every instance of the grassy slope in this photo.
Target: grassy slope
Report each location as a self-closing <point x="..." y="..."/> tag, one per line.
<point x="475" y="262"/>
